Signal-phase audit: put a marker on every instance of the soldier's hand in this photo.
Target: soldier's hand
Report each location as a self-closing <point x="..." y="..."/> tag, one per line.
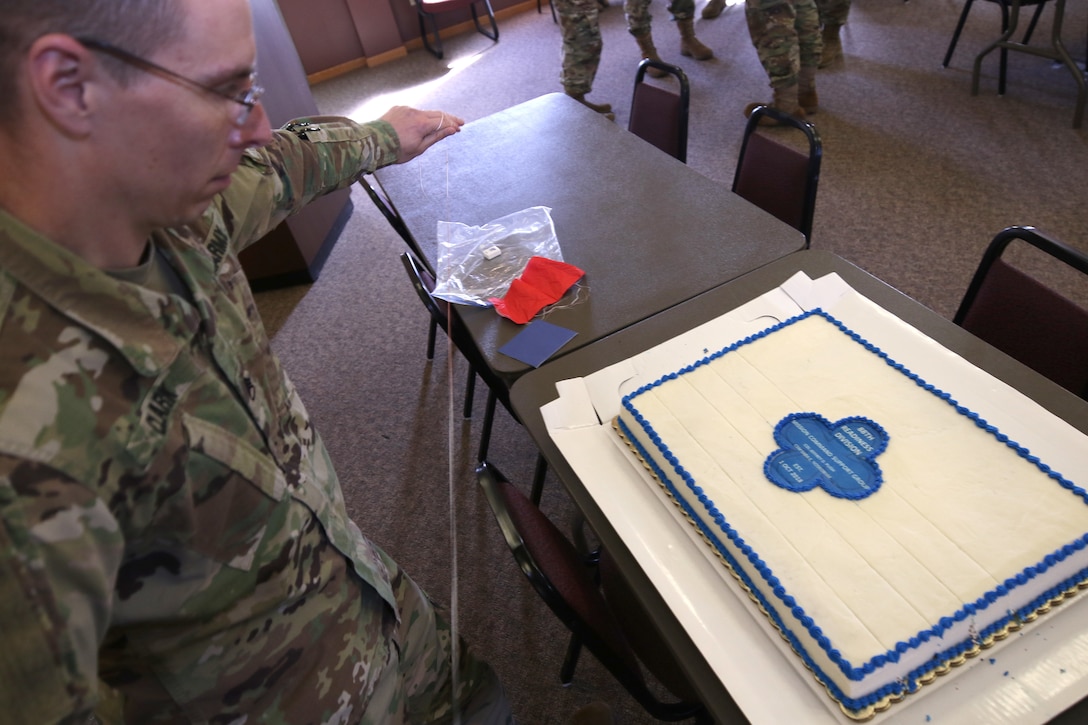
<point x="419" y="130"/>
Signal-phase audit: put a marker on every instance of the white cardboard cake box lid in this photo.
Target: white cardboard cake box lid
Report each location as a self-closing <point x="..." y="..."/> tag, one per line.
<point x="1030" y="677"/>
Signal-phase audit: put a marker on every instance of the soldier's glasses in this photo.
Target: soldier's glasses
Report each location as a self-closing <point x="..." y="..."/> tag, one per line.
<point x="247" y="99"/>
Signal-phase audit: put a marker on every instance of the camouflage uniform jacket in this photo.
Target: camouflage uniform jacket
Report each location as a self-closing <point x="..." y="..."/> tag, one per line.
<point x="170" y="523"/>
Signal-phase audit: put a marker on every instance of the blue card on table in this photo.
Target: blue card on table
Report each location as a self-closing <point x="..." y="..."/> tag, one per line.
<point x="537" y="342"/>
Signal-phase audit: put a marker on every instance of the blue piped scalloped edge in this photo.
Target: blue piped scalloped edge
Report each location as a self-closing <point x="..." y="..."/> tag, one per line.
<point x="855" y="673"/>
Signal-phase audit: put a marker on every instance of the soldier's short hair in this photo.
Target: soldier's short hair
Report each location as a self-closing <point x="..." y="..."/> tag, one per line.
<point x="138" y="26"/>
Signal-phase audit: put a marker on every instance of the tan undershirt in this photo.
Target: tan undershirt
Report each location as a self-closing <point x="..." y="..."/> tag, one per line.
<point x="153" y="272"/>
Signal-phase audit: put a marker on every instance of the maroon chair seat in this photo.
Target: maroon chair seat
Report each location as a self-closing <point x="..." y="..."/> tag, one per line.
<point x="660" y="115"/>
<point x="777" y="177"/>
<point x="1025" y="318"/>
<point x="565" y="581"/>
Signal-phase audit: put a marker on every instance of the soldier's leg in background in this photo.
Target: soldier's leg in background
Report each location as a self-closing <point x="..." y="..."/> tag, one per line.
<point x="833" y="14"/>
<point x="809" y="45"/>
<point x="771" y="25"/>
<point x="582" y="44"/>
<point x="637" y="13"/>
<point x="683" y="12"/>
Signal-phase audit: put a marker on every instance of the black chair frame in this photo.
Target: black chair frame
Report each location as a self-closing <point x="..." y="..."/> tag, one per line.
<point x="435" y="47"/>
<point x="683" y="100"/>
<point x="497" y="391"/>
<point x="1062" y="252"/>
<point x="539" y="6"/>
<point x="422" y="283"/>
<point x="603" y="637"/>
<point x="1057" y="249"/>
<point x="812" y="173"/>
<point x="389" y="211"/>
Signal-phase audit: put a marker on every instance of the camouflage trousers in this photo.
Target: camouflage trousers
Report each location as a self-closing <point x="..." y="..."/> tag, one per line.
<point x="417" y="684"/>
<point x="638" y="14"/>
<point x="786" y="35"/>
<point x="833" y="12"/>
<point x="578" y="20"/>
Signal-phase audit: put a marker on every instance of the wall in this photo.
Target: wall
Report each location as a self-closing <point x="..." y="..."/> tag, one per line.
<point x="294" y="251"/>
<point x="334" y="36"/>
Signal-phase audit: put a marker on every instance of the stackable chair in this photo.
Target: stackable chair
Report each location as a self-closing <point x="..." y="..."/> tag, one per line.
<point x="420" y="270"/>
<point x="423" y="272"/>
<point x="423" y="282"/>
<point x="565" y="580"/>
<point x="1004" y="4"/>
<point x="1025" y="318"/>
<point x="428" y="11"/>
<point x="385" y="205"/>
<point x="659" y="115"/>
<point x="776" y="177"/>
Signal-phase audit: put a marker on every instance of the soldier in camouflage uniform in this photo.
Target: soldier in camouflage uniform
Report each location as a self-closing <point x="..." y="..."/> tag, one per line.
<point x="786" y="35"/>
<point x="832" y="17"/>
<point x="174" y="545"/>
<point x="683" y="12"/>
<point x="579" y="21"/>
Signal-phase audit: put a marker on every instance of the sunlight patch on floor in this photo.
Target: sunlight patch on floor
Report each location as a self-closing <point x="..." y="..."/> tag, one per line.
<point x="416" y="96"/>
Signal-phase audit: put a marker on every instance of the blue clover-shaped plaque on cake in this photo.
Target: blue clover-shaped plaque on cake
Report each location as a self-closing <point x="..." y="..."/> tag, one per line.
<point x="838" y="457"/>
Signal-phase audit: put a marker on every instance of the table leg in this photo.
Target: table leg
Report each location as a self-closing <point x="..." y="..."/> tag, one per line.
<point x="1064" y="57"/>
<point x="1002" y="42"/>
<point x="1056" y="52"/>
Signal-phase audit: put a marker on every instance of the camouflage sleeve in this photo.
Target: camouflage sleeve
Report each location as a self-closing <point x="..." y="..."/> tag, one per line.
<point x="305" y="159"/>
<point x="60" y="550"/>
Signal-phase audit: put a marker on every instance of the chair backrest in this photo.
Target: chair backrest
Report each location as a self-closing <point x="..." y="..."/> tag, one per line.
<point x="381" y="200"/>
<point x="1025" y="318"/>
<point x="423" y="282"/>
<point x="659" y="115"/>
<point x="561" y="577"/>
<point x="778" y="177"/>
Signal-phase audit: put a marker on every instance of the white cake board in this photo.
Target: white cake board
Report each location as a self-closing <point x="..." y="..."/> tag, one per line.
<point x="1028" y="678"/>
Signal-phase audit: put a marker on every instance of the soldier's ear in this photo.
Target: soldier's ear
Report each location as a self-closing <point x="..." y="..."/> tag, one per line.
<point x="62" y="80"/>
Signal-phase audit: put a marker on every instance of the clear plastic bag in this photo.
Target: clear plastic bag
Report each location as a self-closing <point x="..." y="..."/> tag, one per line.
<point x="469" y="270"/>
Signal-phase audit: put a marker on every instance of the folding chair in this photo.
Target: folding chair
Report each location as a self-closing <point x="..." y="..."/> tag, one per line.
<point x="550" y="5"/>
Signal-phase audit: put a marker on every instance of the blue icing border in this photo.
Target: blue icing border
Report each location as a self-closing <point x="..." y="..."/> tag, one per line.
<point x="851" y="671"/>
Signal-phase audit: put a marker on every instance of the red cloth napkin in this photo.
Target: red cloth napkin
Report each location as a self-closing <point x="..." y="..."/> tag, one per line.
<point x="542" y="282"/>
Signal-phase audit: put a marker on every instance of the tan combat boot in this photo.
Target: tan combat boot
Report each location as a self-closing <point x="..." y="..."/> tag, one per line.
<point x="785" y="99"/>
<point x="832" y="45"/>
<point x="605" y="109"/>
<point x="806" y="90"/>
<point x="713" y="9"/>
<point x="646" y="47"/>
<point x="691" y="46"/>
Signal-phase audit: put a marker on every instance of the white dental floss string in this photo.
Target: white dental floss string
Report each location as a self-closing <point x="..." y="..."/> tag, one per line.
<point x="455" y="655"/>
<point x="581" y="293"/>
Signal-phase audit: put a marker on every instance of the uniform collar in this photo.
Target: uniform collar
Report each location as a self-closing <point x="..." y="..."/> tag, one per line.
<point x="147" y="328"/>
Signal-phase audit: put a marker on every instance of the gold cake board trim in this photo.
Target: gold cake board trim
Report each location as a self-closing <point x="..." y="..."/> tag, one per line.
<point x="867" y="713"/>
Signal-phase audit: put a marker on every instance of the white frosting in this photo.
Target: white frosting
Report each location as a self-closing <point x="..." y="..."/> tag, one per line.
<point x="958" y="513"/>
